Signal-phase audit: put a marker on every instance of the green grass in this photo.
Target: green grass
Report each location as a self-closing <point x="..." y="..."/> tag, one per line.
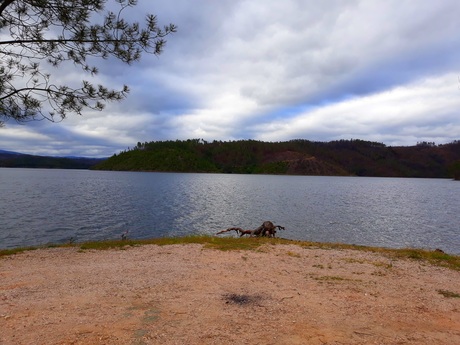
<point x="221" y="243"/>
<point x="433" y="257"/>
<point x="5" y="252"/>
<point x="253" y="243"/>
<point x="213" y="242"/>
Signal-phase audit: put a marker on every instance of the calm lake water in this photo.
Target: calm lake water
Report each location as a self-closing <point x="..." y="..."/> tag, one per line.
<point x="51" y="206"/>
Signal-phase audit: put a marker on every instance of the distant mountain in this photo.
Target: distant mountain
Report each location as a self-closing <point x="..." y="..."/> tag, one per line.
<point x="3" y="152"/>
<point x="11" y="159"/>
<point x="295" y="157"/>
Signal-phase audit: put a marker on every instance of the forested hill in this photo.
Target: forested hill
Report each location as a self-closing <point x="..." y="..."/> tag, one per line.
<point x="19" y="160"/>
<point x="295" y="157"/>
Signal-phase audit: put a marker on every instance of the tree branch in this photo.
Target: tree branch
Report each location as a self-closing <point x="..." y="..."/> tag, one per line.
<point x="16" y="91"/>
<point x="58" y="41"/>
<point x="4" y="5"/>
<point x="58" y="31"/>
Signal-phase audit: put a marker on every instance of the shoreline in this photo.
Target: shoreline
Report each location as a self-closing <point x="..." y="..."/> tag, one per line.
<point x="434" y="256"/>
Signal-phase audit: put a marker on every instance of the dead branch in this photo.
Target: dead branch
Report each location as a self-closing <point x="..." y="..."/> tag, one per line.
<point x="267" y="229"/>
<point x="230" y="229"/>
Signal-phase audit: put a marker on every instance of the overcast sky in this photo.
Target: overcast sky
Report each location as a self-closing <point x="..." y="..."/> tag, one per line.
<point x="271" y="70"/>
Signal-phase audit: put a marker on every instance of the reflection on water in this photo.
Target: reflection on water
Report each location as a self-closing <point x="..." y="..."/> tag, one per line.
<point x="41" y="206"/>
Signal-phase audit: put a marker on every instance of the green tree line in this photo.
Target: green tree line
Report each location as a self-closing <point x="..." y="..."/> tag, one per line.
<point x="295" y="157"/>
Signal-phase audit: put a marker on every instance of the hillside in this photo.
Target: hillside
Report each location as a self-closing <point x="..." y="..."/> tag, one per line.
<point x="295" y="157"/>
<point x="10" y="159"/>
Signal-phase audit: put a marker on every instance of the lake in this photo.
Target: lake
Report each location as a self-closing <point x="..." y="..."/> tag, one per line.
<point x="39" y="206"/>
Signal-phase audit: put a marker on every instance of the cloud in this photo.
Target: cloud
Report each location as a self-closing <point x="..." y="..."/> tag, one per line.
<point x="422" y="109"/>
<point x="270" y="70"/>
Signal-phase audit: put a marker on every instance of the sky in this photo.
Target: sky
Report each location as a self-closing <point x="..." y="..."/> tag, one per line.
<point x="385" y="71"/>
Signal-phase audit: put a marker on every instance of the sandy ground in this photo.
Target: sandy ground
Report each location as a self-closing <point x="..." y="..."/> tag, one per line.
<point x="187" y="294"/>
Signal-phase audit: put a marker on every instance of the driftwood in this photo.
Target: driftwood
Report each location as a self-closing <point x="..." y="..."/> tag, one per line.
<point x="267" y="229"/>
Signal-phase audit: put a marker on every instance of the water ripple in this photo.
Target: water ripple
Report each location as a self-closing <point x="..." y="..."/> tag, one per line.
<point x="43" y="206"/>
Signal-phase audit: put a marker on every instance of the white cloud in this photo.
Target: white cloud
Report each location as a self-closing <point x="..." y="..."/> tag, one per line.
<point x="422" y="110"/>
<point x="22" y="133"/>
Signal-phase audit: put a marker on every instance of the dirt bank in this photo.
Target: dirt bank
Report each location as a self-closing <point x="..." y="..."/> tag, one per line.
<point x="186" y="294"/>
